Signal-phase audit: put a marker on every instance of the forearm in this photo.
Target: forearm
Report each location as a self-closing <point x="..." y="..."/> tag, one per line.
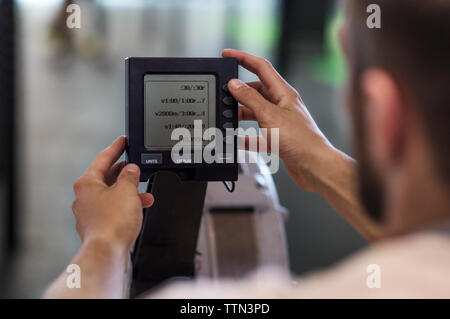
<point x="333" y="176"/>
<point x="102" y="268"/>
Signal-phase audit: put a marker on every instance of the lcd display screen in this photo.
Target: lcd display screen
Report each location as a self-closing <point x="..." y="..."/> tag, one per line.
<point x="175" y="101"/>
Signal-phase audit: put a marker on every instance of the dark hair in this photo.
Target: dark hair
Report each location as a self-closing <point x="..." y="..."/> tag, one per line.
<point x="413" y="45"/>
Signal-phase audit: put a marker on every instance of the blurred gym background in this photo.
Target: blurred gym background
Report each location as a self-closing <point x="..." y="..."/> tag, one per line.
<point x="62" y="101"/>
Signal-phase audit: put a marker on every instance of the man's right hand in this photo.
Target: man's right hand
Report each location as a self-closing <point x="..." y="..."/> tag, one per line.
<point x="273" y="103"/>
<point x="312" y="162"/>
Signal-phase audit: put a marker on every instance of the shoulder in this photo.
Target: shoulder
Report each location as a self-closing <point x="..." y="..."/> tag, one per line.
<point x="415" y="266"/>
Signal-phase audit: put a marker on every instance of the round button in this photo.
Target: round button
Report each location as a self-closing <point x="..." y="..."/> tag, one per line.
<point x="227" y="125"/>
<point x="228" y="114"/>
<point x="228" y="100"/>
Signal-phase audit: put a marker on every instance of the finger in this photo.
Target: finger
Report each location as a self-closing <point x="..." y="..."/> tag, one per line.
<point x="253" y="144"/>
<point x="259" y="86"/>
<point x="129" y="177"/>
<point x="147" y="200"/>
<point x="246" y="114"/>
<point x="262" y="68"/>
<point x="103" y="162"/>
<point x="248" y="97"/>
<point x="111" y="176"/>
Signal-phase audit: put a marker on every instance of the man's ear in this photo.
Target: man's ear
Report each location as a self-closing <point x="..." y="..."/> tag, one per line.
<point x="385" y="117"/>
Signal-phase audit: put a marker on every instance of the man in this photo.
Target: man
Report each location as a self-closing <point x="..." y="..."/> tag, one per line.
<point x="400" y="106"/>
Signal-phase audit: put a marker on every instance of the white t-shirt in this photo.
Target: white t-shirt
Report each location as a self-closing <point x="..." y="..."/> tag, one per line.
<point x="414" y="266"/>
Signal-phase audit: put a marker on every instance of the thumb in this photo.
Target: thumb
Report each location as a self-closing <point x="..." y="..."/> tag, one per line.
<point x="248" y="96"/>
<point x="129" y="176"/>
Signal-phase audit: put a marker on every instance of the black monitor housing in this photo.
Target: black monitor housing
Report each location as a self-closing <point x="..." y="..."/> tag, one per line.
<point x="163" y="94"/>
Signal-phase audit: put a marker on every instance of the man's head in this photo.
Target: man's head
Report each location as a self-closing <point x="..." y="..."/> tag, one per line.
<point x="400" y="103"/>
